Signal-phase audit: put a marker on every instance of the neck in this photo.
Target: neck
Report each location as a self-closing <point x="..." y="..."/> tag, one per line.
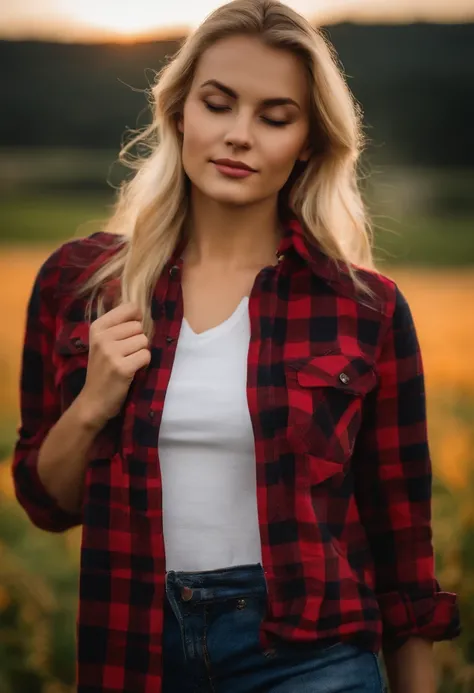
<point x="232" y="236"/>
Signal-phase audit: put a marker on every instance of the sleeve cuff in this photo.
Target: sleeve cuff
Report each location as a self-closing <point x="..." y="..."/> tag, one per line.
<point x="433" y="616"/>
<point x="42" y="509"/>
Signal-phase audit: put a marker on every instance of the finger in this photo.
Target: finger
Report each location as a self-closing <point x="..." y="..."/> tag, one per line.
<point x="139" y="359"/>
<point x="122" y="313"/>
<point x="123" y="331"/>
<point x="125" y="347"/>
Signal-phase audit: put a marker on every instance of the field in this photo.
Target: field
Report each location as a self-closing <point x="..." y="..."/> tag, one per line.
<point x="40" y="582"/>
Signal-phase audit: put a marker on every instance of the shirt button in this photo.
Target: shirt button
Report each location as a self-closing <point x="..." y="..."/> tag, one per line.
<point x="79" y="344"/>
<point x="170" y="340"/>
<point x="151" y="414"/>
<point x="174" y="270"/>
<point x="344" y="378"/>
<point x="186" y="594"/>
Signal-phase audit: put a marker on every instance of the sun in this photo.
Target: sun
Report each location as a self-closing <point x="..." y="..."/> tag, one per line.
<point x="122" y="18"/>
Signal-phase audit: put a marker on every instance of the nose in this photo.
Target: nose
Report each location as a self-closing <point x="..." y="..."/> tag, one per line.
<point x="239" y="134"/>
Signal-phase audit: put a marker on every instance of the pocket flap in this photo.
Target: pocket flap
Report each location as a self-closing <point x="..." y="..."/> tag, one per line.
<point x="73" y="338"/>
<point x="352" y="373"/>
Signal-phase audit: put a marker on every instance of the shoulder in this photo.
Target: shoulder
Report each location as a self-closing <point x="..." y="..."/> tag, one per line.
<point x="392" y="300"/>
<point x="79" y="253"/>
<point x="386" y="307"/>
<point x="69" y="264"/>
<point x="71" y="259"/>
<point x="382" y="289"/>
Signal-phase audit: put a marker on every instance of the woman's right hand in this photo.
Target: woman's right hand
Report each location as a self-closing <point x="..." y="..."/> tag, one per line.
<point x="118" y="348"/>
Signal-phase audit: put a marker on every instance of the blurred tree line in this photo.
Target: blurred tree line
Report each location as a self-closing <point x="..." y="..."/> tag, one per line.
<point x="416" y="84"/>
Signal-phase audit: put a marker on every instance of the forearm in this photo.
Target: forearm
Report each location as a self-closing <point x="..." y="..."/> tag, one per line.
<point x="64" y="454"/>
<point x="410" y="669"/>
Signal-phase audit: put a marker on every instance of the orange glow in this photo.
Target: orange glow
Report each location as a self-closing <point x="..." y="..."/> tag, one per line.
<point x="126" y="19"/>
<point x="121" y="20"/>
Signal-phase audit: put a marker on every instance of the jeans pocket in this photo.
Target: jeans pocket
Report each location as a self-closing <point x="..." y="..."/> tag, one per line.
<point x="379" y="676"/>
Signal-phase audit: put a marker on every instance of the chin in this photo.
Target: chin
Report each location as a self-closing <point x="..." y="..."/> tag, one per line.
<point x="233" y="198"/>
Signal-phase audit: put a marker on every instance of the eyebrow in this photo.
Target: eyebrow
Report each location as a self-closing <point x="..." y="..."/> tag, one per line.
<point x="267" y="103"/>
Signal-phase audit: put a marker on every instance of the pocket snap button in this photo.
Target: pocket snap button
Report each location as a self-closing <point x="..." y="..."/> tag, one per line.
<point x="344" y="378"/>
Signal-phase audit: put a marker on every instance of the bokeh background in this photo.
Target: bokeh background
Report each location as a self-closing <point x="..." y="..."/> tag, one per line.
<point x="73" y="79"/>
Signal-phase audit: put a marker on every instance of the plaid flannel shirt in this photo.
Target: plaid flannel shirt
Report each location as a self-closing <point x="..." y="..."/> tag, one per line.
<point x="336" y="396"/>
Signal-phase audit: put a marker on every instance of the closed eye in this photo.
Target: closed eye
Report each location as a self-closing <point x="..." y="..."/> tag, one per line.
<point x="221" y="109"/>
<point x="212" y="107"/>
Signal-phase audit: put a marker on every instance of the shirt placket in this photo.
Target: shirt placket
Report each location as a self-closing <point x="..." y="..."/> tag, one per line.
<point x="145" y="404"/>
<point x="263" y="303"/>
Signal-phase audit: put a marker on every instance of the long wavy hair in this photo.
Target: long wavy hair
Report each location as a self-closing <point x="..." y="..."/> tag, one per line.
<point x="151" y="209"/>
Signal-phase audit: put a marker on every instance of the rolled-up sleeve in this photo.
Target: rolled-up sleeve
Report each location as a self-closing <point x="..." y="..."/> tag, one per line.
<point x="393" y="479"/>
<point x="39" y="403"/>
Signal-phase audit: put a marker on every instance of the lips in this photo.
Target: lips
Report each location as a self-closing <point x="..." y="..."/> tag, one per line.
<point x="231" y="163"/>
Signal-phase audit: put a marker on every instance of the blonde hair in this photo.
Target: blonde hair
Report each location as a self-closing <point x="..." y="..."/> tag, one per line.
<point x="151" y="208"/>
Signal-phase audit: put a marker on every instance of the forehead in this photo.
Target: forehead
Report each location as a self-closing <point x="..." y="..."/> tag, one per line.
<point x="253" y="69"/>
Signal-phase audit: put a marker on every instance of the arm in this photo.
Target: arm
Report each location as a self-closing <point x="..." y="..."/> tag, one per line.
<point x="410" y="668"/>
<point x="392" y="469"/>
<point x="50" y="455"/>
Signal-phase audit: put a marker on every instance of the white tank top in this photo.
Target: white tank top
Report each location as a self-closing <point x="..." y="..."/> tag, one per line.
<point x="207" y="454"/>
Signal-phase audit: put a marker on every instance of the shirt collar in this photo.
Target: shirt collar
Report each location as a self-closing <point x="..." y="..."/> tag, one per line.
<point x="308" y="249"/>
<point x="294" y="239"/>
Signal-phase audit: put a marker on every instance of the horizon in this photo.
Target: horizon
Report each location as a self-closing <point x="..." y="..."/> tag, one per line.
<point x="93" y="22"/>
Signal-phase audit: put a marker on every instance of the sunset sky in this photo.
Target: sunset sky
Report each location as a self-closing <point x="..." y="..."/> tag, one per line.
<point x="121" y="19"/>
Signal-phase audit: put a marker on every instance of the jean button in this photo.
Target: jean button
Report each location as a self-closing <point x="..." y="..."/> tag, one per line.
<point x="186" y="594"/>
<point x="241" y="603"/>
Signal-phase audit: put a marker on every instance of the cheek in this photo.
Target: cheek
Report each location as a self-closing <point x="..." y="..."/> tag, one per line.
<point x="192" y="146"/>
<point x="196" y="135"/>
<point x="282" y="153"/>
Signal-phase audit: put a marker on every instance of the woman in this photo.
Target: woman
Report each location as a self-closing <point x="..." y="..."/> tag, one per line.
<point x="241" y="428"/>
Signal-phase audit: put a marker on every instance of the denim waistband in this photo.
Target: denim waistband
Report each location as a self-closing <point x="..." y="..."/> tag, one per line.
<point x="216" y="585"/>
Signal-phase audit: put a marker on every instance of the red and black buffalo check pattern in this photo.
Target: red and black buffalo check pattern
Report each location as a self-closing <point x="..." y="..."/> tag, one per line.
<point x="336" y="396"/>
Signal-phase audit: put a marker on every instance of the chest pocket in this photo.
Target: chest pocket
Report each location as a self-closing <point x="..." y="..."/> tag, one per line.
<point x="325" y="400"/>
<point x="71" y="355"/>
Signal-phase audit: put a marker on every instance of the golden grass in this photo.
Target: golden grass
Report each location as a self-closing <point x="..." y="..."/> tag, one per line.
<point x="17" y="269"/>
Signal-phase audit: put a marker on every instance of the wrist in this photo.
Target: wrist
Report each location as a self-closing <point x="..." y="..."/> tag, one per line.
<point x="87" y="415"/>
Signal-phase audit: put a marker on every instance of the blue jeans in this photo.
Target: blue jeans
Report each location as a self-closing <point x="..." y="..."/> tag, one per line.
<point x="211" y="643"/>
